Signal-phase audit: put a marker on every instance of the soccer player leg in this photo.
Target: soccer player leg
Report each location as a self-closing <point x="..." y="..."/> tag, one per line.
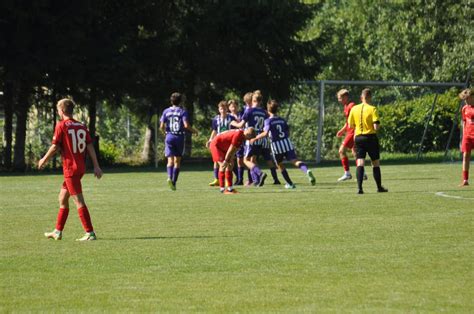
<point x="361" y="153"/>
<point x="346" y="146"/>
<point x="278" y="158"/>
<point x="267" y="155"/>
<point x="63" y="208"/>
<point x="466" y="147"/>
<point x="218" y="156"/>
<point x="229" y="175"/>
<point x="170" y="156"/>
<point x="63" y="213"/>
<point x="374" y="154"/>
<point x="74" y="187"/>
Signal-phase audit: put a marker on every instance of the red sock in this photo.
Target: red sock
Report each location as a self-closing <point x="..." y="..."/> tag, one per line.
<point x="62" y="217"/>
<point x="222" y="179"/>
<point x="465" y="175"/>
<point x="228" y="177"/>
<point x="345" y="163"/>
<point x="85" y="219"/>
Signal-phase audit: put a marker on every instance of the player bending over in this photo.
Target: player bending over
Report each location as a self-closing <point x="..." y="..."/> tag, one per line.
<point x="72" y="139"/>
<point x="468" y="133"/>
<point x="174" y="122"/>
<point x="223" y="148"/>
<point x="277" y="129"/>
<point x="220" y="123"/>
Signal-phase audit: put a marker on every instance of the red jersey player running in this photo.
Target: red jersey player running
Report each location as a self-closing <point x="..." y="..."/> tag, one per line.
<point x="72" y="139"/>
<point x="468" y="133"/>
<point x="348" y="142"/>
<point x="223" y="148"/>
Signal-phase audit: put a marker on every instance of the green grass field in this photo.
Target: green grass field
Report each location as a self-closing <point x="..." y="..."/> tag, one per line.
<point x="313" y="249"/>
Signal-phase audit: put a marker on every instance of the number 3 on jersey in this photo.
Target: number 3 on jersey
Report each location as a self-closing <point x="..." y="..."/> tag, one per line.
<point x="78" y="138"/>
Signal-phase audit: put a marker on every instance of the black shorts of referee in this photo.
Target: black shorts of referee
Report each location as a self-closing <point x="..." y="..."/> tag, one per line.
<point x="367" y="144"/>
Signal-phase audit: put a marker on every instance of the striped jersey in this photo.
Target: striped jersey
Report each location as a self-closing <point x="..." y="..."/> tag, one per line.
<point x="279" y="134"/>
<point x="220" y="124"/>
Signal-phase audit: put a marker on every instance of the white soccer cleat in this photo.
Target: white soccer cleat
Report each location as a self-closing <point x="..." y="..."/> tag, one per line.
<point x="55" y="235"/>
<point x="89" y="236"/>
<point x="290" y="186"/>
<point x="345" y="177"/>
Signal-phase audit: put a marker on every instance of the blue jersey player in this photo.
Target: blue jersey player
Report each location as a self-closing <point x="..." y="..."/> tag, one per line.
<point x="174" y="122"/>
<point x="278" y="131"/>
<point x="220" y="123"/>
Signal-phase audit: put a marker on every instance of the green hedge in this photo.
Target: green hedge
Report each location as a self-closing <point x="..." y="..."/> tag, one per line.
<point x="403" y="123"/>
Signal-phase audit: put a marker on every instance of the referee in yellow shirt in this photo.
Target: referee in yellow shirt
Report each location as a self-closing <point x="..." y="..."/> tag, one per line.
<point x="364" y="119"/>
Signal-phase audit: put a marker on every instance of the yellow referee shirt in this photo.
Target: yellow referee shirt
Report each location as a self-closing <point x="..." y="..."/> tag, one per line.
<point x="362" y="119"/>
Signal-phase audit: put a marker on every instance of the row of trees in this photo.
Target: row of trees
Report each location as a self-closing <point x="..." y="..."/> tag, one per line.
<point x="142" y="51"/>
<point x="96" y="50"/>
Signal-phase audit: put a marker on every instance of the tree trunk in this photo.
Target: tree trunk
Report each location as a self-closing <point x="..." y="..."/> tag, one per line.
<point x="21" y="112"/>
<point x="188" y="144"/>
<point x="8" y="127"/>
<point x="148" y="153"/>
<point x="92" y="113"/>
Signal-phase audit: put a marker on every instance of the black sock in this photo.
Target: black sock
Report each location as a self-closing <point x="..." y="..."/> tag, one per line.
<point x="360" y="176"/>
<point x="273" y="170"/>
<point x="286" y="177"/>
<point x="377" y="176"/>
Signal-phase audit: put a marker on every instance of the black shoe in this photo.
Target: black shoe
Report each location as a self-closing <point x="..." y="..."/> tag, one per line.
<point x="261" y="182"/>
<point x="238" y="183"/>
<point x="276" y="182"/>
<point x="382" y="189"/>
<point x="360" y="192"/>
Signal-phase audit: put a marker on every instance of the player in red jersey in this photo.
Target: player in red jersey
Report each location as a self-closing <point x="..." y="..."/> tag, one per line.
<point x="223" y="148"/>
<point x="72" y="139"/>
<point x="348" y="142"/>
<point x="468" y="133"/>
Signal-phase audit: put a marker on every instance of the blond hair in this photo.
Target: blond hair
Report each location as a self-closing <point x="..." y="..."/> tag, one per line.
<point x="342" y="92"/>
<point x="248" y="98"/>
<point x="66" y="105"/>
<point x="258" y="95"/>
<point x="465" y="94"/>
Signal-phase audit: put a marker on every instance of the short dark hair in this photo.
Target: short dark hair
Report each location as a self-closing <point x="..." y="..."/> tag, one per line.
<point x="223" y="104"/>
<point x="176" y="99"/>
<point x="272" y="106"/>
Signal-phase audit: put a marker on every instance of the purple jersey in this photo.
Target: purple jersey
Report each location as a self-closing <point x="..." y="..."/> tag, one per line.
<point x="255" y="117"/>
<point x="174" y="118"/>
<point x="220" y="125"/>
<point x="279" y="133"/>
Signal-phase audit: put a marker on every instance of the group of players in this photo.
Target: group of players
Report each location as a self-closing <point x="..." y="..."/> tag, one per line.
<point x="231" y="129"/>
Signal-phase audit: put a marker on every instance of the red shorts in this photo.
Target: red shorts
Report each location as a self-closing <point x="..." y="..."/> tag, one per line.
<point x="217" y="154"/>
<point x="73" y="185"/>
<point x="467" y="144"/>
<point x="348" y="140"/>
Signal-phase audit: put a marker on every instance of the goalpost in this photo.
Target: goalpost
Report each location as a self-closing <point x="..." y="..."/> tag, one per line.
<point x="321" y="107"/>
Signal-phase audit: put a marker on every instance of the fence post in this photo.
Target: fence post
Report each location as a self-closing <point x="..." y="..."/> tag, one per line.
<point x="426" y="126"/>
<point x="320" y="122"/>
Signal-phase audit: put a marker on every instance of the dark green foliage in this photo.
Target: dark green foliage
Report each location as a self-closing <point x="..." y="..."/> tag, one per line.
<point x="403" y="123"/>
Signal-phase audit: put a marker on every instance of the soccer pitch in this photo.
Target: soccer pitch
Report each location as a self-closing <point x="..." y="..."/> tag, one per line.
<point x="316" y="249"/>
